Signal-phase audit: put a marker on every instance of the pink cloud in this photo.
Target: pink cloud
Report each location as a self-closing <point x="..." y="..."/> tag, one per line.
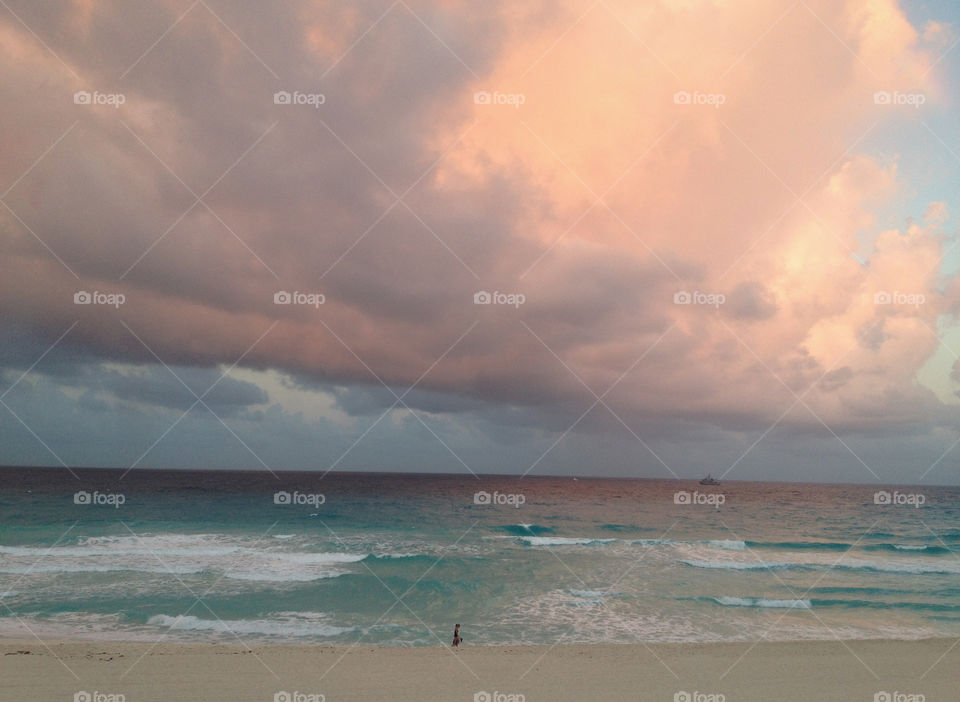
<point x="695" y="197"/>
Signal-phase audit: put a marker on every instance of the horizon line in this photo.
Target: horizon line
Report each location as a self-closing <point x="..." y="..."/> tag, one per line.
<point x="477" y="475"/>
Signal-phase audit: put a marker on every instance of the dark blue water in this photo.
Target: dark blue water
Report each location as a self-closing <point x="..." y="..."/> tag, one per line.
<point x="398" y="559"/>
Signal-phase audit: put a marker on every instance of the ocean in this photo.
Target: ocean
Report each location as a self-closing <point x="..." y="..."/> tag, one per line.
<point x="388" y="559"/>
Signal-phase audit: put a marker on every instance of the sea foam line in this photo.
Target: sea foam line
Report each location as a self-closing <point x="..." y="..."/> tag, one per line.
<point x="762" y="602"/>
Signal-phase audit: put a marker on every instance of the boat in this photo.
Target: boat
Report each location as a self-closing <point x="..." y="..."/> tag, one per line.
<point x="709" y="480"/>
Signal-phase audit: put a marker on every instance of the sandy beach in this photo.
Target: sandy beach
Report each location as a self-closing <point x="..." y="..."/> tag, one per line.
<point x="802" y="671"/>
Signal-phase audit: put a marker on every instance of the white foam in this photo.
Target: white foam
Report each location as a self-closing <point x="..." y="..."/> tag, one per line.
<point x="319" y="558"/>
<point x="910" y="568"/>
<point x="557" y="615"/>
<point x="94" y="568"/>
<point x="86" y="551"/>
<point x="739" y="565"/>
<point x="916" y="568"/>
<point x="288" y="567"/>
<point x="287" y="624"/>
<point x="562" y="541"/>
<point x="653" y="542"/>
<point x="727" y="544"/>
<point x="762" y="602"/>
<point x="266" y="577"/>
<point x="159" y="544"/>
<point x="240" y="558"/>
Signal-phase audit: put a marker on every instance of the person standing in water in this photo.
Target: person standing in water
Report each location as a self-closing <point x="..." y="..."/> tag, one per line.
<point x="456" y="636"/>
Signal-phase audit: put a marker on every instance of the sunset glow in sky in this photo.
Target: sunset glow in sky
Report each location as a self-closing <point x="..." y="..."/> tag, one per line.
<point x="723" y="236"/>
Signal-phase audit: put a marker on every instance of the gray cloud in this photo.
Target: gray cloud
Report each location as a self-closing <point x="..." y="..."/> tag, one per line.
<point x="751" y="300"/>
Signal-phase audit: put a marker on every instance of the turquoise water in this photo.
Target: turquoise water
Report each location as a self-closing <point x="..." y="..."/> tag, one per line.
<point x="399" y="559"/>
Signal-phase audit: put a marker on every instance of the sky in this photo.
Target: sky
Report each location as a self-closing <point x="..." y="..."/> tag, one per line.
<point x="542" y="238"/>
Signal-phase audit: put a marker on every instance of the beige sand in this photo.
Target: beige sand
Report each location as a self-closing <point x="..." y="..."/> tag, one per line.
<point x="807" y="672"/>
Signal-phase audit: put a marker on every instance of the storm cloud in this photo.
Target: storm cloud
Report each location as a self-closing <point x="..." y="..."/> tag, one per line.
<point x="643" y="238"/>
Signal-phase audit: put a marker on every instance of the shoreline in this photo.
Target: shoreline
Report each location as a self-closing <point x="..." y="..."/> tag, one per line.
<point x="7" y="641"/>
<point x="739" y="671"/>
